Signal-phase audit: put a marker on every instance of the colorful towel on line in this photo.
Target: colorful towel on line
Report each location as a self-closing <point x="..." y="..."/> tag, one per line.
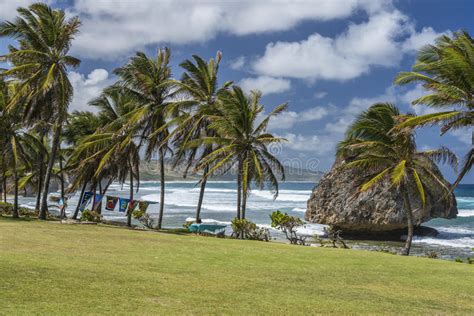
<point x="111" y="203"/>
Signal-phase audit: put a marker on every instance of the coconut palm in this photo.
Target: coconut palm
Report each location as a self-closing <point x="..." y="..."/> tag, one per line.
<point x="41" y="63"/>
<point x="16" y="143"/>
<point x="147" y="81"/>
<point x="380" y="151"/>
<point x="108" y="153"/>
<point x="446" y="71"/>
<point x="243" y="143"/>
<point x="200" y="87"/>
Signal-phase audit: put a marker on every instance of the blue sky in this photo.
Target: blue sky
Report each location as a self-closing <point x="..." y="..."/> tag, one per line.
<point x="329" y="59"/>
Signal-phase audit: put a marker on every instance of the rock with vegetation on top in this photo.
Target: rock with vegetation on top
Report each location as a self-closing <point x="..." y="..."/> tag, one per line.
<point x="337" y="201"/>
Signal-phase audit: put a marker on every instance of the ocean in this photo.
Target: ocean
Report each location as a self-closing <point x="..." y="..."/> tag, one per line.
<point x="456" y="236"/>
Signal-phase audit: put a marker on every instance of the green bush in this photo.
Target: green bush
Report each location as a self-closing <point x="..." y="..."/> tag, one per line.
<point x="458" y="260"/>
<point x="243" y="228"/>
<point x="288" y="225"/>
<point x="7" y="209"/>
<point x="144" y="218"/>
<point x="90" y="216"/>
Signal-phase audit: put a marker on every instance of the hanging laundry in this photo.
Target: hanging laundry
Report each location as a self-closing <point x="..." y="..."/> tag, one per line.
<point x="85" y="200"/>
<point x="111" y="203"/>
<point x="123" y="204"/>
<point x="143" y="205"/>
<point x="131" y="206"/>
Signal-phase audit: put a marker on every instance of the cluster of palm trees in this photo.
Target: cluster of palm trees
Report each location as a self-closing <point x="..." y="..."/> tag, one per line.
<point x="380" y="142"/>
<point x="207" y="127"/>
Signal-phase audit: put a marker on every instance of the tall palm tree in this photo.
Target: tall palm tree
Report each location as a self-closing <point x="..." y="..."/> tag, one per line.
<point x="380" y="151"/>
<point x="200" y="87"/>
<point x="41" y="63"/>
<point x="147" y="81"/>
<point x="16" y="143"/>
<point x="446" y="71"/>
<point x="243" y="143"/>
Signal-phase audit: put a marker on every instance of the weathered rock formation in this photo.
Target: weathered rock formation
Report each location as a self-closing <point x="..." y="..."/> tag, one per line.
<point x="337" y="201"/>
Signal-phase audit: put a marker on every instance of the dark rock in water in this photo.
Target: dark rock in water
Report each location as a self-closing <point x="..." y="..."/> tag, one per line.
<point x="337" y="201"/>
<point x="394" y="235"/>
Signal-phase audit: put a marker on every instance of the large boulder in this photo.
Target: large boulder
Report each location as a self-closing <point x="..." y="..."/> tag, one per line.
<point x="337" y="201"/>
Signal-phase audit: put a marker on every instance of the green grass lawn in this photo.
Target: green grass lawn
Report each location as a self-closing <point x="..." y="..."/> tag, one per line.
<point x="50" y="268"/>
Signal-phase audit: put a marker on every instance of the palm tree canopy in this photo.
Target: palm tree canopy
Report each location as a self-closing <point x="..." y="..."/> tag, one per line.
<point x="380" y="150"/>
<point x="243" y="140"/>
<point x="41" y="60"/>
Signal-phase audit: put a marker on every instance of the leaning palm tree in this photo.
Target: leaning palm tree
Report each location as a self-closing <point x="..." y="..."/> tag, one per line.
<point x="16" y="142"/>
<point x="147" y="81"/>
<point x="379" y="150"/>
<point x="446" y="71"/>
<point x="200" y="88"/>
<point x="41" y="63"/>
<point x="243" y="143"/>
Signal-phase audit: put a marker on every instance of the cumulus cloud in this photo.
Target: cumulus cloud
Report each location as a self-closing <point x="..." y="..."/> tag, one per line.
<point x="376" y="42"/>
<point x="237" y="63"/>
<point x="320" y="94"/>
<point x="288" y="119"/>
<point x="418" y="40"/>
<point x="115" y="28"/>
<point x="267" y="85"/>
<point x="87" y="87"/>
<point x="8" y="7"/>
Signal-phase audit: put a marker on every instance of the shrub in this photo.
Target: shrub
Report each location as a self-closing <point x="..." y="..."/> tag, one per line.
<point x="7" y="209"/>
<point x="432" y="254"/>
<point x="144" y="218"/>
<point x="458" y="260"/>
<point x="288" y="225"/>
<point x="90" y="216"/>
<point x="333" y="238"/>
<point x="243" y="228"/>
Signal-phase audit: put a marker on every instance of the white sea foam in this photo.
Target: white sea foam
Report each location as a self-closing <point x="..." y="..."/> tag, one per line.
<point x="299" y="209"/>
<point x="465" y="213"/>
<point x="464" y="242"/>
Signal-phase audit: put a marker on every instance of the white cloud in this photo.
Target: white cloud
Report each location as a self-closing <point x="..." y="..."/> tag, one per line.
<point x="87" y="88"/>
<point x="267" y="85"/>
<point x="288" y="119"/>
<point x="238" y="63"/>
<point x="8" y="7"/>
<point x="320" y="94"/>
<point x="380" y="41"/>
<point x="116" y="28"/>
<point x="310" y="143"/>
<point x="418" y="40"/>
<point x="348" y="55"/>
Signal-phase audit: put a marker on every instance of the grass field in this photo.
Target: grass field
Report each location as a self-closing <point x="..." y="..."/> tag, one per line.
<point x="50" y="268"/>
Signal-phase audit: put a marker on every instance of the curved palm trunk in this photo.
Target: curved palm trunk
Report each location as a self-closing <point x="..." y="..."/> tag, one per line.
<point x="129" y="213"/>
<point x="201" y="196"/>
<point x="49" y="170"/>
<point x="15" y="201"/>
<point x="162" y="188"/>
<point x="40" y="185"/>
<point x="406" y="202"/>
<point x="4" y="178"/>
<point x="81" y="196"/>
<point x="239" y="190"/>
<point x="63" y="196"/>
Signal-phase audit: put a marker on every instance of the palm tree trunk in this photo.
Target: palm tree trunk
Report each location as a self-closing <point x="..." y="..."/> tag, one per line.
<point x="244" y="202"/>
<point x="40" y="184"/>
<point x="49" y="169"/>
<point x="406" y="202"/>
<point x="129" y="213"/>
<point x="15" y="179"/>
<point x="239" y="189"/>
<point x="162" y="188"/>
<point x="4" y="178"/>
<point x="201" y="195"/>
<point x="63" y="196"/>
<point x="76" y="212"/>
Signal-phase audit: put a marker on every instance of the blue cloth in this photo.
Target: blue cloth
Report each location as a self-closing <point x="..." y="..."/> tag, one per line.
<point x="207" y="228"/>
<point x="123" y="204"/>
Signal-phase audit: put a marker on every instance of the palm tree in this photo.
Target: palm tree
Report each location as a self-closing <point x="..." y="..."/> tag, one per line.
<point x="199" y="85"/>
<point x="446" y="71"/>
<point x="40" y="64"/>
<point x="375" y="146"/>
<point x="243" y="142"/>
<point x="16" y="143"/>
<point x="147" y="81"/>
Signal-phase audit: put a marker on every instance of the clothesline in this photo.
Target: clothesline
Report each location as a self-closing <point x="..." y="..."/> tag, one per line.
<point x="125" y="205"/>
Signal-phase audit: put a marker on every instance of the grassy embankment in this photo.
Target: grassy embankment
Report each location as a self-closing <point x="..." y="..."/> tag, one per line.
<point x="49" y="268"/>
